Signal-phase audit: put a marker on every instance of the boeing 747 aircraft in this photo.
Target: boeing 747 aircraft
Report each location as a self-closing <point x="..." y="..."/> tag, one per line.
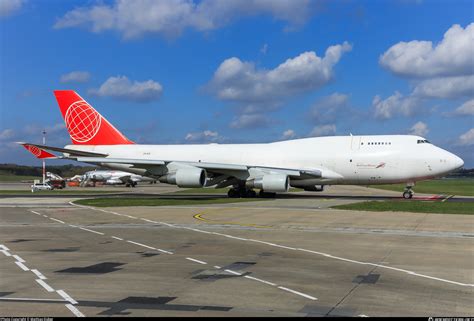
<point x="308" y="163"/>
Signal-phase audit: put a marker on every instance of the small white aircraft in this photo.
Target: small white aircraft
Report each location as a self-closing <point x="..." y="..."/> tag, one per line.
<point x="112" y="177"/>
<point x="308" y="163"/>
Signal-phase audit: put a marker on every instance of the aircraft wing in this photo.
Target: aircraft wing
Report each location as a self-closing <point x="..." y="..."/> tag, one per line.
<point x="229" y="170"/>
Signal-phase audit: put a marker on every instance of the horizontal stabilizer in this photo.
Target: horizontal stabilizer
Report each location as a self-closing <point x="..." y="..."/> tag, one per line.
<point x="38" y="152"/>
<point x="72" y="152"/>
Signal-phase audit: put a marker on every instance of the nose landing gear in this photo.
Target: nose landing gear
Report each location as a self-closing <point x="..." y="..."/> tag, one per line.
<point x="408" y="193"/>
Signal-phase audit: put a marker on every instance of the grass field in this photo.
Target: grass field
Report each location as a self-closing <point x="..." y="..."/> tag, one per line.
<point x="54" y="192"/>
<point x="411" y="206"/>
<point x="17" y="178"/>
<point x="123" y="201"/>
<point x="455" y="186"/>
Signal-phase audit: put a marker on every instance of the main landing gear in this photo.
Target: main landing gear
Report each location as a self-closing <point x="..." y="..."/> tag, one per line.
<point x="408" y="193"/>
<point x="242" y="192"/>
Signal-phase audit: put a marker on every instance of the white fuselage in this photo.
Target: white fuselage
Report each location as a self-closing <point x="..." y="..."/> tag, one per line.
<point x="357" y="159"/>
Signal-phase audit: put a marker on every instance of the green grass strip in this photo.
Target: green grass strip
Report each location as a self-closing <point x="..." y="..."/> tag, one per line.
<point x="448" y="186"/>
<point x="439" y="207"/>
<point x="135" y="201"/>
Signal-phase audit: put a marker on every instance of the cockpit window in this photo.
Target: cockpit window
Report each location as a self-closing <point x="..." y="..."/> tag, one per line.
<point x="423" y="141"/>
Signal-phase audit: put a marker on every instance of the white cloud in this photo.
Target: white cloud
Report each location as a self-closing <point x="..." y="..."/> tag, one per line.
<point x="6" y="134"/>
<point x="9" y="7"/>
<point x="446" y="87"/>
<point x="251" y="121"/>
<point x="395" y="105"/>
<point x="204" y="136"/>
<point x="76" y="76"/>
<point x="122" y="88"/>
<point x="419" y="129"/>
<point x="450" y="57"/>
<point x="466" y="109"/>
<point x="289" y="134"/>
<point x="328" y="109"/>
<point x="467" y="139"/>
<point x="134" y="18"/>
<point x="239" y="81"/>
<point x="323" y="130"/>
<point x="264" y="49"/>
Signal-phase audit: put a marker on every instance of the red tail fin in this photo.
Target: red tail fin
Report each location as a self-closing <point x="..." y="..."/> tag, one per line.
<point x="38" y="152"/>
<point x="84" y="124"/>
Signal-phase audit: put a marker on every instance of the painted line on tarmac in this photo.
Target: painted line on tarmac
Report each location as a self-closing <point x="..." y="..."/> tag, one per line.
<point x="19" y="262"/>
<point x="199" y="217"/>
<point x="191" y="259"/>
<point x="5" y="252"/>
<point x="52" y="218"/>
<point x="326" y="255"/>
<point x="194" y="260"/>
<point x="22" y="266"/>
<point x="66" y="296"/>
<point x="117" y="238"/>
<point x="45" y="285"/>
<point x="19" y="259"/>
<point x="92" y="231"/>
<point x="38" y="274"/>
<point x="142" y="245"/>
<point x="298" y="293"/>
<point x="259" y="280"/>
<point x="75" y="311"/>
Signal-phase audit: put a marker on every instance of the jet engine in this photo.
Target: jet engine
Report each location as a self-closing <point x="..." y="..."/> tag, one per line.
<point x="186" y="177"/>
<point x="272" y="183"/>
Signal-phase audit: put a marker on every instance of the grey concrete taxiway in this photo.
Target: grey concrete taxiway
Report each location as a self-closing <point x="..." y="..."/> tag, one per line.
<point x="283" y="257"/>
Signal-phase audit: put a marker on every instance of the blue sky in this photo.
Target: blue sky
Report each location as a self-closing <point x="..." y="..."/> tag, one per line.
<point x="240" y="71"/>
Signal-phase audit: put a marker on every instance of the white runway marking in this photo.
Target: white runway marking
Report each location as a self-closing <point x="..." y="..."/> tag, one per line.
<point x="75" y="311"/>
<point x="22" y="266"/>
<point x="167" y="252"/>
<point x="45" y="285"/>
<point x="19" y="259"/>
<point x="5" y="252"/>
<point x="4" y="247"/>
<point x="259" y="280"/>
<point x="233" y="272"/>
<point x="66" y="296"/>
<point x="35" y="212"/>
<point x="86" y="229"/>
<point x="38" y="274"/>
<point x="52" y="218"/>
<point x="45" y="215"/>
<point x="31" y="299"/>
<point x="72" y="225"/>
<point x="194" y="260"/>
<point x="217" y="266"/>
<point x="117" y="238"/>
<point x="298" y="293"/>
<point x="143" y="245"/>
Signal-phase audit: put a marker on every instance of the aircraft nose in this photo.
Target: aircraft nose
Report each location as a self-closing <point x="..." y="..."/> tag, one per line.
<point x="457" y="162"/>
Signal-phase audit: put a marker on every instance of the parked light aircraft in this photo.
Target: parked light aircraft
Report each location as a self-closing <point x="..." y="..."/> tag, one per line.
<point x="113" y="177"/>
<point x="308" y="163"/>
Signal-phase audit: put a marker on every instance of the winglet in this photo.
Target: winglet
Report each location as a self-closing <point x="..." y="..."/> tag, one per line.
<point x="37" y="152"/>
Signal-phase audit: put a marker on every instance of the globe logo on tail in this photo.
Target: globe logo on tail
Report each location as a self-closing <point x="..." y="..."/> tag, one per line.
<point x="82" y="121"/>
<point x="34" y="150"/>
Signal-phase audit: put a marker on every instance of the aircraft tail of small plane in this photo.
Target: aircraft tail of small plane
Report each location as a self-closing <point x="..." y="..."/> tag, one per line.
<point x="84" y="124"/>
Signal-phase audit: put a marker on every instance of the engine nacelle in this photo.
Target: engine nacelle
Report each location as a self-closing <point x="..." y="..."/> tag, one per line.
<point x="186" y="177"/>
<point x="272" y="183"/>
<point x="314" y="188"/>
